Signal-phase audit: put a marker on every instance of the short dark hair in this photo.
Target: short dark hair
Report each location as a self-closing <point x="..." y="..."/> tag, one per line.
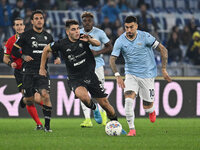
<point x="37" y="12"/>
<point x="70" y="22"/>
<point x="18" y="18"/>
<point x="87" y="14"/>
<point x="130" y="19"/>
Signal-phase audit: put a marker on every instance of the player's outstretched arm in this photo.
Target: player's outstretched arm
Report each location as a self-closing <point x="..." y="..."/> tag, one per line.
<point x="107" y="49"/>
<point x="89" y="39"/>
<point x="164" y="56"/>
<point x="113" y="66"/>
<point x="45" y="52"/>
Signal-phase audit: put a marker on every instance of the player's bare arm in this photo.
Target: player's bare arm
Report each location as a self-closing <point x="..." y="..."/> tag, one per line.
<point x="90" y="40"/>
<point x="107" y="49"/>
<point x="114" y="69"/>
<point x="44" y="57"/>
<point x="164" y="56"/>
<point x="16" y="53"/>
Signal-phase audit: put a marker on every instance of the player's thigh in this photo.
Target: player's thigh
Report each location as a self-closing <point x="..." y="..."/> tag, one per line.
<point x="131" y="84"/>
<point x="28" y="82"/>
<point x="41" y="82"/>
<point x="146" y="91"/>
<point x="95" y="87"/>
<point x="19" y="79"/>
<point x="82" y="93"/>
<point x="100" y="74"/>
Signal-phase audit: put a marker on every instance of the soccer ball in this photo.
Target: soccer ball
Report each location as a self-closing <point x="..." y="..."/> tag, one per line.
<point x="113" y="128"/>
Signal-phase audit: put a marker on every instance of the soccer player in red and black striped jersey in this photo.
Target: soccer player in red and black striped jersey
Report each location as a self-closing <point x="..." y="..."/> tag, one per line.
<point x="16" y="63"/>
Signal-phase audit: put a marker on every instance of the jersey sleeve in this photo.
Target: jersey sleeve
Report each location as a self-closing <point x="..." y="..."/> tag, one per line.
<point x="20" y="40"/>
<point x="117" y="48"/>
<point x="104" y="39"/>
<point x="55" y="47"/>
<point x="7" y="48"/>
<point x="150" y="40"/>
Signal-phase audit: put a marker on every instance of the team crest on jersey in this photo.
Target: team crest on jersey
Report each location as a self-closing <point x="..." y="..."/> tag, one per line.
<point x="81" y="45"/>
<point x="45" y="37"/>
<point x="35" y="44"/>
<point x="139" y="43"/>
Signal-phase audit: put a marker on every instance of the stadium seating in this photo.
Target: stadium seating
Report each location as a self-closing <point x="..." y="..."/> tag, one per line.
<point x="181" y="6"/>
<point x="169" y="6"/>
<point x="193" y="6"/>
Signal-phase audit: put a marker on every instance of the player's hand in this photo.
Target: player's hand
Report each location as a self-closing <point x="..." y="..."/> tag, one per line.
<point x="43" y="72"/>
<point x="13" y="65"/>
<point x="166" y="76"/>
<point x="95" y="53"/>
<point x="85" y="37"/>
<point x="120" y="82"/>
<point x="57" y="60"/>
<point x="27" y="58"/>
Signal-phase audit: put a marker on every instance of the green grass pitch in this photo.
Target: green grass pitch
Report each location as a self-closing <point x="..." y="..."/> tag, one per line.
<point x="164" y="134"/>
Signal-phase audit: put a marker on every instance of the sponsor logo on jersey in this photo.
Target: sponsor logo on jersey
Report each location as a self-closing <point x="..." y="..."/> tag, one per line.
<point x="33" y="38"/>
<point x="79" y="63"/>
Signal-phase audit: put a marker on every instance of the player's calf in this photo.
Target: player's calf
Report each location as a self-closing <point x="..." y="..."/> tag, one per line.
<point x="150" y="109"/>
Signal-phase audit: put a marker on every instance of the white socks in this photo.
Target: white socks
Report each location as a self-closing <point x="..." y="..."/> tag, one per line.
<point x="150" y="110"/>
<point x="130" y="115"/>
<point x="86" y="111"/>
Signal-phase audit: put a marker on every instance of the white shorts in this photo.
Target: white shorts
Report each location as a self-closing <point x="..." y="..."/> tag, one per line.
<point x="100" y="74"/>
<point x="143" y="87"/>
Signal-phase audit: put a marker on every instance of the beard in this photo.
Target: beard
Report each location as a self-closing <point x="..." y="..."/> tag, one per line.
<point x="130" y="35"/>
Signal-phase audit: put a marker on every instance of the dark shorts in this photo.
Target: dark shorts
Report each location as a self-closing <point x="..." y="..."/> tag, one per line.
<point x="19" y="78"/>
<point x="91" y="83"/>
<point x="33" y="83"/>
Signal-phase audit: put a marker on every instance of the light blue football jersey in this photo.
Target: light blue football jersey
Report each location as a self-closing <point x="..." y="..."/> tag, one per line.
<point x="138" y="54"/>
<point x="101" y="36"/>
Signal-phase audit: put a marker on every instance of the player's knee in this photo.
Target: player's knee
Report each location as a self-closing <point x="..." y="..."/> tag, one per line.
<point x="45" y="94"/>
<point x="28" y="100"/>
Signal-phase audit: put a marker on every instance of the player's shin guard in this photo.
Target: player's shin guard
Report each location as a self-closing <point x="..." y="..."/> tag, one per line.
<point x="33" y="112"/>
<point x="130" y="115"/>
<point x="47" y="115"/>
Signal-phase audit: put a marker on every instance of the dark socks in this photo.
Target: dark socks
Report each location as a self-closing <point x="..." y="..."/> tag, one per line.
<point x="91" y="105"/>
<point x="47" y="115"/>
<point x="114" y="117"/>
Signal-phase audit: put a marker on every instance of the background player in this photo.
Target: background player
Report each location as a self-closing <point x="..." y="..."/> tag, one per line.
<point x="140" y="68"/>
<point x="80" y="65"/>
<point x="16" y="63"/>
<point x="32" y="43"/>
<point x="105" y="47"/>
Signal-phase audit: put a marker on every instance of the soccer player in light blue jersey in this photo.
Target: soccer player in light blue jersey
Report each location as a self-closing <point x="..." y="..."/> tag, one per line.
<point x="105" y="47"/>
<point x="140" y="68"/>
